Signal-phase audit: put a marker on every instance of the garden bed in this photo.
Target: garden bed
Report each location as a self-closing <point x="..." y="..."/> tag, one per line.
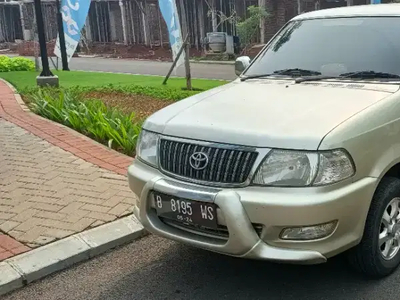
<point x="143" y="106"/>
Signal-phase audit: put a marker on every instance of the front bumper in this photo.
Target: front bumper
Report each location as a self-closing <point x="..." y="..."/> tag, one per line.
<point x="243" y="210"/>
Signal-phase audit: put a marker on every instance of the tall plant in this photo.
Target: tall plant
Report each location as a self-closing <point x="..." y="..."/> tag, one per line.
<point x="248" y="28"/>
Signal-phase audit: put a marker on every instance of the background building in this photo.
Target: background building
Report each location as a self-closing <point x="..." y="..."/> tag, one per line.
<point x="123" y="25"/>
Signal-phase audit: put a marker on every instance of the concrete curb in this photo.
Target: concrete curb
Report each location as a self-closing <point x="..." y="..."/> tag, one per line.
<point x="212" y="62"/>
<point x="23" y="269"/>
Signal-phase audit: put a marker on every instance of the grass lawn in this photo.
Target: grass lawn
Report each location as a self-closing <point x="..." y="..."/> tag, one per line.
<point x="27" y="79"/>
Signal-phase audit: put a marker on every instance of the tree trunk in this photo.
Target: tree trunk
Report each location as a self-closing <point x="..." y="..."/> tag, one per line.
<point x="214" y="16"/>
<point x="261" y="3"/>
<point x="270" y="22"/>
<point x="184" y="26"/>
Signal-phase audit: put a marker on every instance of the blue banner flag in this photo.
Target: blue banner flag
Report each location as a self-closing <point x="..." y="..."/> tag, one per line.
<point x="74" y="14"/>
<point x="170" y="14"/>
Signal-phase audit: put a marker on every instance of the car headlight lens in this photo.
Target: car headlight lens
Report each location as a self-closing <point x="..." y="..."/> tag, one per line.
<point x="333" y="167"/>
<point x="146" y="149"/>
<point x="300" y="168"/>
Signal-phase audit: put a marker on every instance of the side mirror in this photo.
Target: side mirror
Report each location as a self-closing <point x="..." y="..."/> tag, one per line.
<point x="241" y="64"/>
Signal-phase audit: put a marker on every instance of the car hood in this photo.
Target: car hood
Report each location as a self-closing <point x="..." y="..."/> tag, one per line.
<point x="267" y="113"/>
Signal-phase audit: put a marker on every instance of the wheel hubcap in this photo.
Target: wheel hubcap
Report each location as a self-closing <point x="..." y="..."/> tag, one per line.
<point x="389" y="234"/>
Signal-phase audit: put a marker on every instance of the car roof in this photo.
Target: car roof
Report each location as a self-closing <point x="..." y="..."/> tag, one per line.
<point x="370" y="10"/>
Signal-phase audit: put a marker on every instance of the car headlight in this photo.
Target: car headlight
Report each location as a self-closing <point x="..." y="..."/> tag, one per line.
<point x="146" y="149"/>
<point x="300" y="168"/>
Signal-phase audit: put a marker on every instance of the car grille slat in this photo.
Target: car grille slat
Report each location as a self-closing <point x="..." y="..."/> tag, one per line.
<point x="225" y="166"/>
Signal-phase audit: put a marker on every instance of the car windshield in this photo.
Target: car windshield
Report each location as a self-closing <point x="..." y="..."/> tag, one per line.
<point x="334" y="47"/>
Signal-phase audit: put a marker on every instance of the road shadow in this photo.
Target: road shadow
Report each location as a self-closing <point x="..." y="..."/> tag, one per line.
<point x="183" y="272"/>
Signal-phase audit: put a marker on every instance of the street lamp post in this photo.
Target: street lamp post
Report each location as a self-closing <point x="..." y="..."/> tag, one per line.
<point x="61" y="37"/>
<point x="42" y="39"/>
<point x="46" y="76"/>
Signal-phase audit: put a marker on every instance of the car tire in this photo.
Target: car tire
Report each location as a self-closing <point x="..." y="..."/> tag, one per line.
<point x="370" y="256"/>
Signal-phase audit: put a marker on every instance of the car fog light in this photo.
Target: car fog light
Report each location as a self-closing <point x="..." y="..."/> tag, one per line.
<point x="309" y="232"/>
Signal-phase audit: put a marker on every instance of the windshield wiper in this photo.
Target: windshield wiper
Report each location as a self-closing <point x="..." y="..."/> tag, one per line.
<point x="256" y="76"/>
<point x="285" y="72"/>
<point x="360" y="74"/>
<point x="369" y="74"/>
<point x="297" y="72"/>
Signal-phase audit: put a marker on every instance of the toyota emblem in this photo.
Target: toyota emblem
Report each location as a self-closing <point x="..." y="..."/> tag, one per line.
<point x="198" y="161"/>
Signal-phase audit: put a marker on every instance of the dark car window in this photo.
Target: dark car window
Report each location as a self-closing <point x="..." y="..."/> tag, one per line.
<point x="334" y="46"/>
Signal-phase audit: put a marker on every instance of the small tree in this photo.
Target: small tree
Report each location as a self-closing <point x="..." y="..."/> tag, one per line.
<point x="214" y="14"/>
<point x="248" y="28"/>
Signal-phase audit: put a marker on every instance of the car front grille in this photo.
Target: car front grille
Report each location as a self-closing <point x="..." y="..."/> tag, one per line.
<point x="225" y="165"/>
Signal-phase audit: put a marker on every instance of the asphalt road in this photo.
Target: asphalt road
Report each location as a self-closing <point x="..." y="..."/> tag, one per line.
<point x="153" y="268"/>
<point x="143" y="67"/>
<point x="210" y="71"/>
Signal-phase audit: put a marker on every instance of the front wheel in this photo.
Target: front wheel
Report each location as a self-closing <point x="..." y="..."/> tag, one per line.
<point x="378" y="254"/>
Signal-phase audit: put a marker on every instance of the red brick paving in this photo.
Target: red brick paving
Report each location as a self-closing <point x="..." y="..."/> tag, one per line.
<point x="59" y="136"/>
<point x="10" y="247"/>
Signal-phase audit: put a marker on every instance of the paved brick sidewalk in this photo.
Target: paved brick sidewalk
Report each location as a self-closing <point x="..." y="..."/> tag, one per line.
<point x="53" y="182"/>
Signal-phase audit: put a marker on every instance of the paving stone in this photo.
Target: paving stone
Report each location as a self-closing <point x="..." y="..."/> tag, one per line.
<point x="119" y="209"/>
<point x="43" y="240"/>
<point x="5" y="254"/>
<point x="20" y="249"/>
<point x="15" y="233"/>
<point x="76" y="216"/>
<point x="83" y="223"/>
<point x="8" y="243"/>
<point x="113" y="201"/>
<point x="48" y="193"/>
<point x="5" y="207"/>
<point x="101" y="216"/>
<point x="50" y="215"/>
<point x="58" y="233"/>
<point x="97" y="223"/>
<point x="32" y="234"/>
<point x="8" y="226"/>
<point x="93" y="207"/>
<point x="25" y="215"/>
<point x="48" y="207"/>
<point x="6" y="215"/>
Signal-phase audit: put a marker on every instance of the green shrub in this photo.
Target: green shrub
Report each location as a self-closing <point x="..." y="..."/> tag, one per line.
<point x="91" y="117"/>
<point x="5" y="63"/>
<point x="22" y="64"/>
<point x="8" y="64"/>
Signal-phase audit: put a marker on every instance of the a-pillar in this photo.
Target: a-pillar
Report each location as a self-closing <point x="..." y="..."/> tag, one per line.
<point x="123" y="18"/>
